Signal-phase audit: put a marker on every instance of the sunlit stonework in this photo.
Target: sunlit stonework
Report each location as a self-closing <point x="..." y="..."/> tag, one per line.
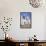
<point x="36" y="3"/>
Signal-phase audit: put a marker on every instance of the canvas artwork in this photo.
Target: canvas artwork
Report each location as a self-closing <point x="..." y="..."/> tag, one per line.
<point x="25" y="20"/>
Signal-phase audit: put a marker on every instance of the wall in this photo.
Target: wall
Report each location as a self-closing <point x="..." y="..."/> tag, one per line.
<point x="45" y="28"/>
<point x="12" y="8"/>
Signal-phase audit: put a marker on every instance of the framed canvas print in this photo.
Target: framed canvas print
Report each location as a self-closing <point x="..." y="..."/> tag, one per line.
<point x="25" y="20"/>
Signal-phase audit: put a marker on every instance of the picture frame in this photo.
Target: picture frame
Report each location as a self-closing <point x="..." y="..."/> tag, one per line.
<point x="25" y="19"/>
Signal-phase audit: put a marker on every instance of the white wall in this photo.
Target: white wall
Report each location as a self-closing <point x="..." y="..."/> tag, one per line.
<point x="45" y="28"/>
<point x="12" y="8"/>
